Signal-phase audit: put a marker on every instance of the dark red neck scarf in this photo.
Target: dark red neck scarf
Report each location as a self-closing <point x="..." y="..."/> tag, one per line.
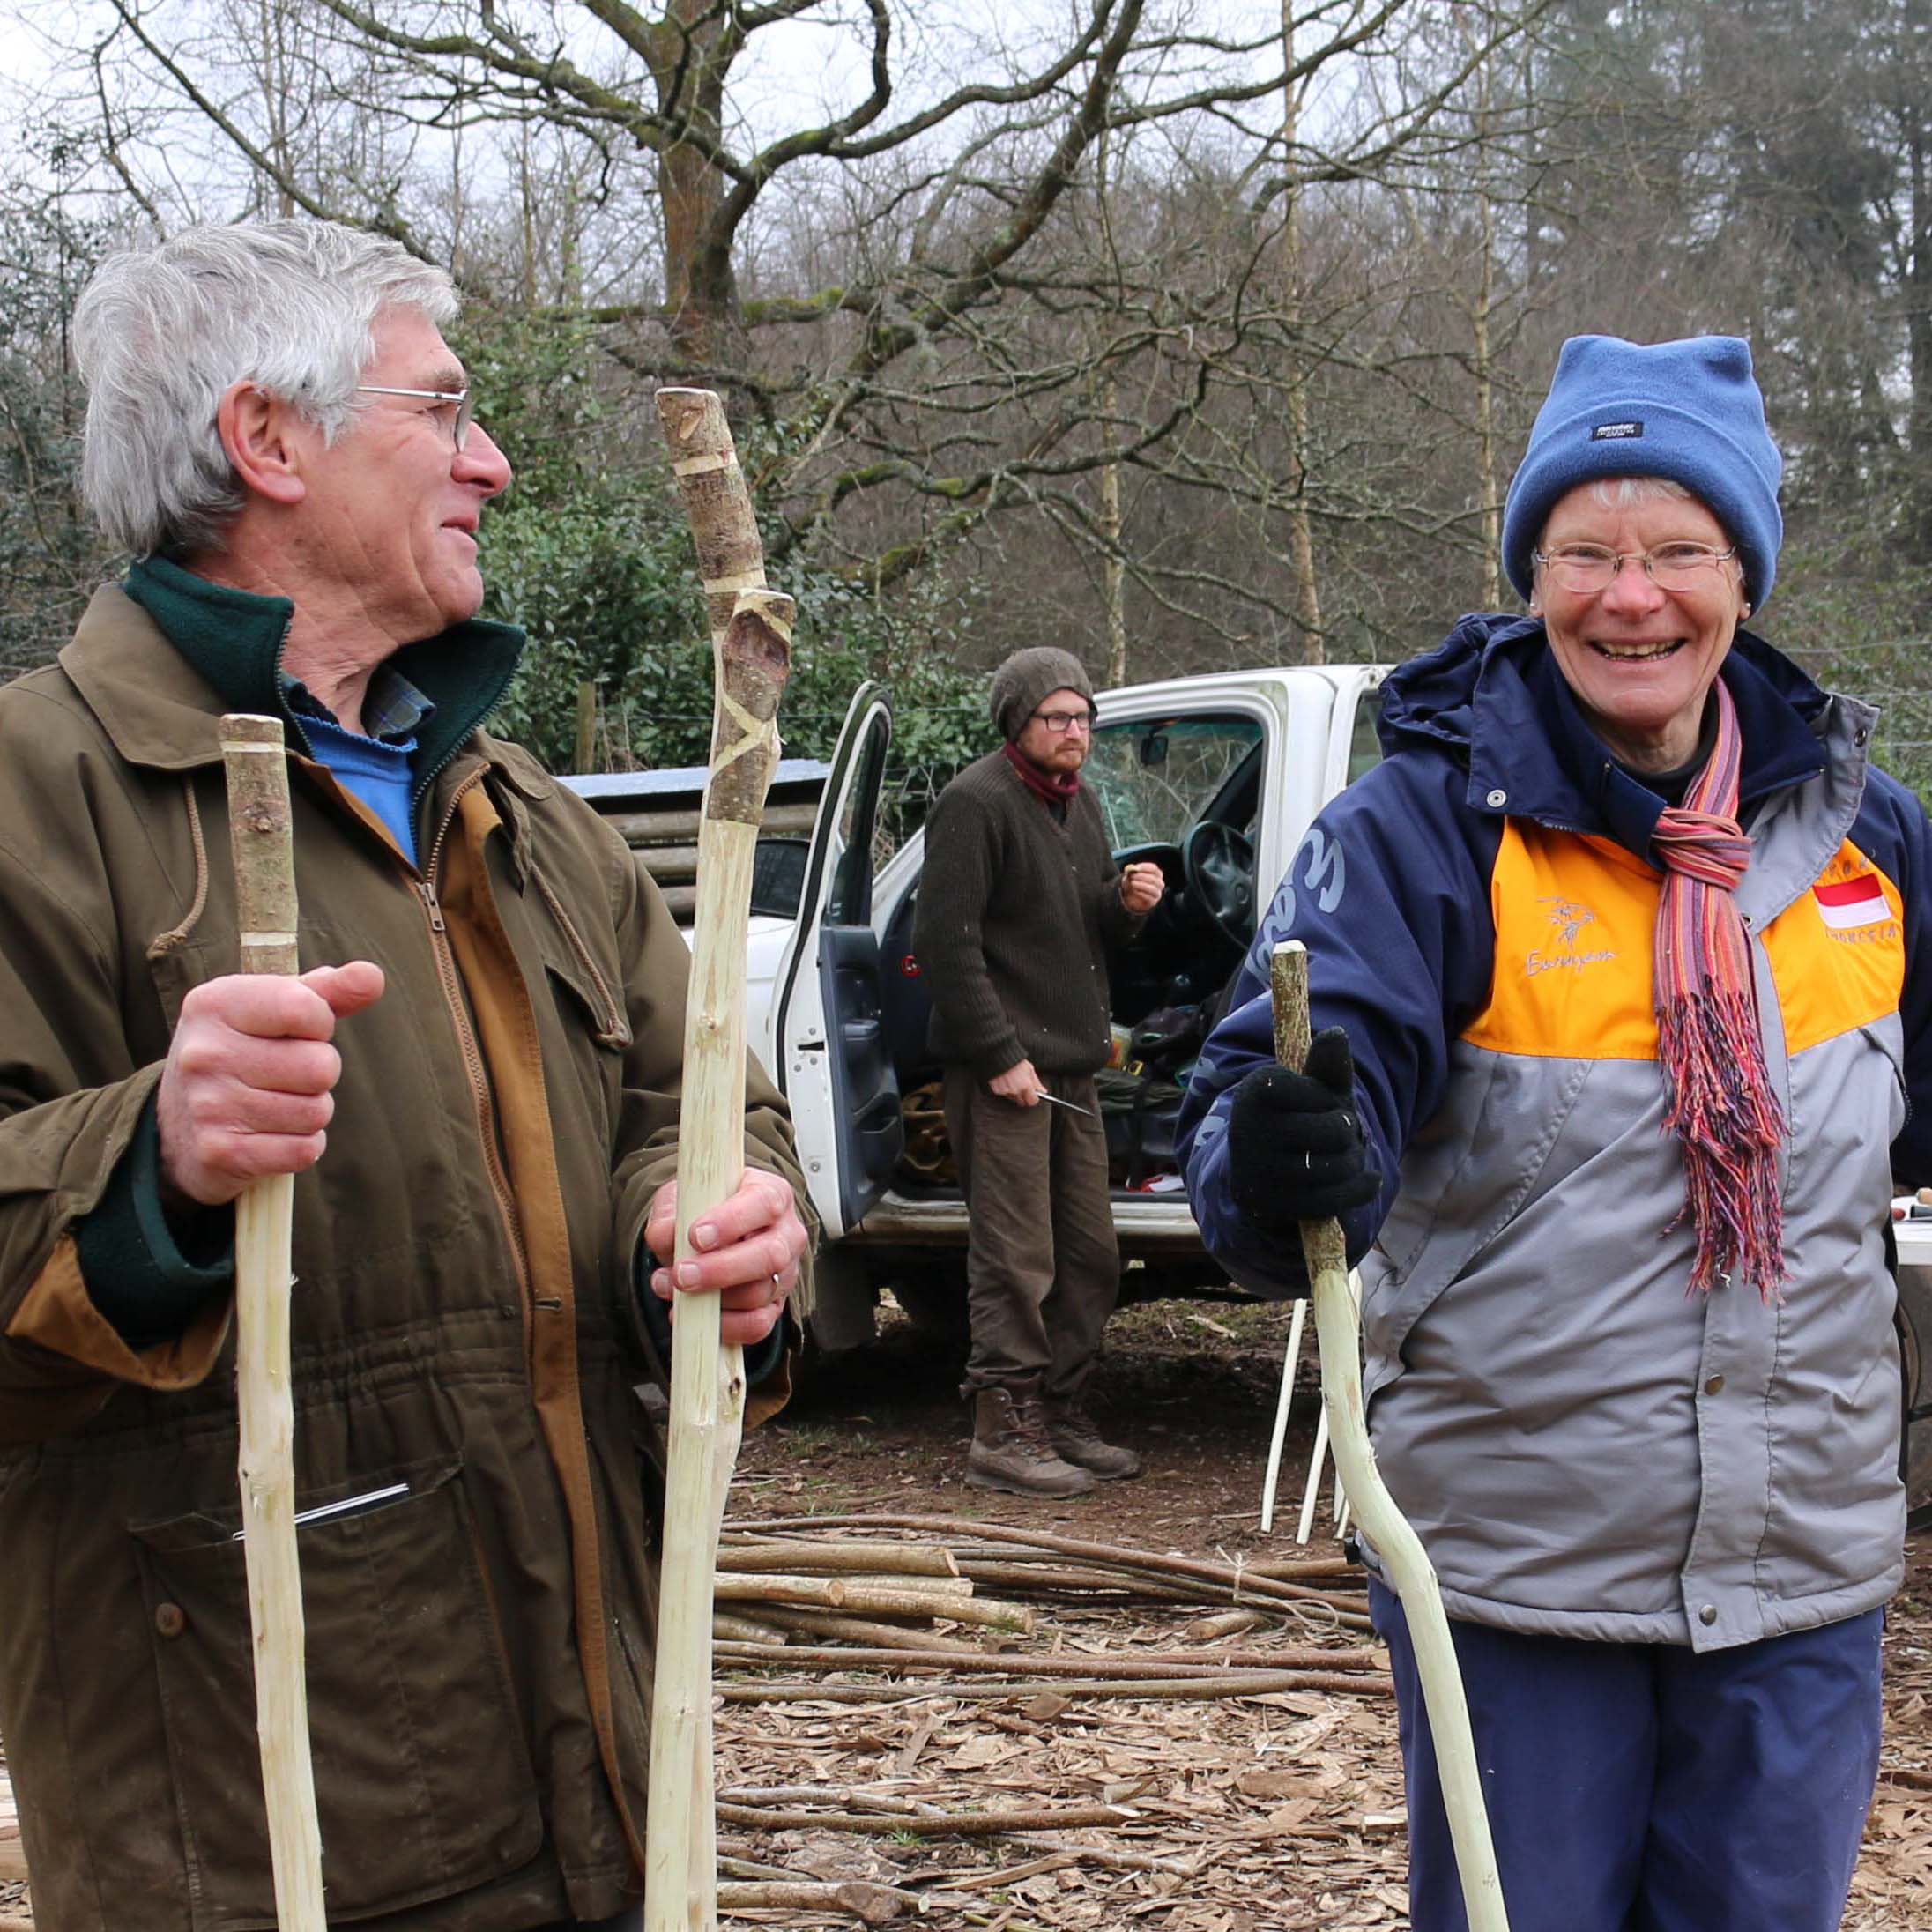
<point x="1050" y="787"/>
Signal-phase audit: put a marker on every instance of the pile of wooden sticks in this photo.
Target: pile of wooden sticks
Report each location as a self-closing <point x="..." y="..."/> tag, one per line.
<point x="870" y="1601"/>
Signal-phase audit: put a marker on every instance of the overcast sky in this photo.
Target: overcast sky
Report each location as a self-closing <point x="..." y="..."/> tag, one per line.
<point x="791" y="74"/>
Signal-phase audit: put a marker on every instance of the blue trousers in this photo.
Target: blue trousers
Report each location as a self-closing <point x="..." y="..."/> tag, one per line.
<point x="1643" y="1788"/>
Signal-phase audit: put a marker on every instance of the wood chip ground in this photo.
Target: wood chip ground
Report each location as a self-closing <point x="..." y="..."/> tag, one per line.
<point x="1267" y="1814"/>
<point x="1263" y="1814"/>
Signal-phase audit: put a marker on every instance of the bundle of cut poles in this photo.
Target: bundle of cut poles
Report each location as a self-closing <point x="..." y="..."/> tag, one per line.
<point x="853" y="1599"/>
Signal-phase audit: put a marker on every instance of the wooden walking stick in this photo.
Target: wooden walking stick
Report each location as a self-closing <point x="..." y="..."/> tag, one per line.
<point x="1311" y="1490"/>
<point x="751" y="640"/>
<point x="1290" y="1362"/>
<point x="1338" y="1328"/>
<point x="264" y="879"/>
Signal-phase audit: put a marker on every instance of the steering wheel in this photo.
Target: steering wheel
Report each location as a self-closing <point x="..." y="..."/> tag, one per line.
<point x="1217" y="865"/>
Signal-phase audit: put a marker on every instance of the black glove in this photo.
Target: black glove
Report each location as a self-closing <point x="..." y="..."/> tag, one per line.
<point x="1296" y="1148"/>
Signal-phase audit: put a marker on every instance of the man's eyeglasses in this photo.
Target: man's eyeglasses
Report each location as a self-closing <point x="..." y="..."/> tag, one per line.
<point x="1059" y="722"/>
<point x="1587" y="569"/>
<point x="457" y="417"/>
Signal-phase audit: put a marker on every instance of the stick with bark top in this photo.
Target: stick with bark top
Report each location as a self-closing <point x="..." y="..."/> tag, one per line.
<point x="869" y="1904"/>
<point x="854" y="1629"/>
<point x="751" y="641"/>
<point x="808" y="1585"/>
<point x="903" y="1559"/>
<point x="1338" y="1328"/>
<point x="257" y="770"/>
<point x="832" y="1592"/>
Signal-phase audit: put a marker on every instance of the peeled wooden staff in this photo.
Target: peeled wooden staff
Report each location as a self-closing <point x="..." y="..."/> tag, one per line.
<point x="1290" y="1362"/>
<point x="1339" y="1330"/>
<point x="1311" y="1490"/>
<point x="264" y="875"/>
<point x="751" y="641"/>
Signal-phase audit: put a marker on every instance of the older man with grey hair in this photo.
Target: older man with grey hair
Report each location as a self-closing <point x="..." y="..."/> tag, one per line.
<point x="487" y="1037"/>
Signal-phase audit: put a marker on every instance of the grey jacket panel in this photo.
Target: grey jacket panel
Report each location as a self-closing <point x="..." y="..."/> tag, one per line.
<point x="1585" y="1449"/>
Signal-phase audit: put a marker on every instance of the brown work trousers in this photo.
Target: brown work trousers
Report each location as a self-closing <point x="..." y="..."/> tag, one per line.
<point x="1043" y="1266"/>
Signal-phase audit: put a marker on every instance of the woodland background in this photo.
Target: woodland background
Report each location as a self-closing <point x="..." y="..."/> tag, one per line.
<point x="1187" y="334"/>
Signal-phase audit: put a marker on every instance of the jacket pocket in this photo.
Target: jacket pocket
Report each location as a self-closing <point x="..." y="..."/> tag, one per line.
<point x="423" y="1781"/>
<point x="595" y="986"/>
<point x="1894" y="1050"/>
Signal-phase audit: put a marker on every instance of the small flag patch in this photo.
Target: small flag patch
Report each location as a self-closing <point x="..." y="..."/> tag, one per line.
<point x="1849" y="902"/>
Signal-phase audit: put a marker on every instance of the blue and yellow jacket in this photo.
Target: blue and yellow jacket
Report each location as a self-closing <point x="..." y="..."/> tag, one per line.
<point x="1585" y="1449"/>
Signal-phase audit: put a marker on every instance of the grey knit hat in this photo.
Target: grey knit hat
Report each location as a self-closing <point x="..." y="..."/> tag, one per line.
<point x="1026" y="677"/>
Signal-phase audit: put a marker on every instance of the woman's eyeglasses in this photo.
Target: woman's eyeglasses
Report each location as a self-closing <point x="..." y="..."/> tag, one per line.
<point x="1587" y="569"/>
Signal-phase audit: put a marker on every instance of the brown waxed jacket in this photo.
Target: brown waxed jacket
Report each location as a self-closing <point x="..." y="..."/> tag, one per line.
<point x="478" y="1647"/>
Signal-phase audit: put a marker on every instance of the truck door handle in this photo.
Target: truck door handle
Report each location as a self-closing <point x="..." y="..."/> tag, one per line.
<point x="859" y="1032"/>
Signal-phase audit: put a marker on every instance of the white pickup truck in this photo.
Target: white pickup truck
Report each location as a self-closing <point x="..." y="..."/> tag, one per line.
<point x="1216" y="778"/>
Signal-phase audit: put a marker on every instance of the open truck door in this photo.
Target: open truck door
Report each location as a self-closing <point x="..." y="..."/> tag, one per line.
<point x="831" y="1053"/>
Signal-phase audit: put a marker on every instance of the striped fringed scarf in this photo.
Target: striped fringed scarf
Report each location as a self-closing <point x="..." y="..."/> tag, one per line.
<point x="1721" y="1105"/>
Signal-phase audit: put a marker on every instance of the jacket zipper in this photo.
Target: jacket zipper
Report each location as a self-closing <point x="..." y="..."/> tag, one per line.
<point x="474" y="1066"/>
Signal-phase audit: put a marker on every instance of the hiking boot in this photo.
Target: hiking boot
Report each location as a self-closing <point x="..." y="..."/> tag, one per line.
<point x="1010" y="1448"/>
<point x="1071" y="1430"/>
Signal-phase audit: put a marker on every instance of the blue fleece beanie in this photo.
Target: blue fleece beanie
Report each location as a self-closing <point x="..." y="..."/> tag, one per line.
<point x="1689" y="411"/>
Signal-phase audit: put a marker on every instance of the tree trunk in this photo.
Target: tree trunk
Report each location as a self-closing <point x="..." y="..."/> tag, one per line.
<point x="691" y="54"/>
<point x="701" y="284"/>
<point x="1487" y="481"/>
<point x="1488" y="485"/>
<point x="1918" y="304"/>
<point x="1110" y="525"/>
<point x="1300" y="539"/>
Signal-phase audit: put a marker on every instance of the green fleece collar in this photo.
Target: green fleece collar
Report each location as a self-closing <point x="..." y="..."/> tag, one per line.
<point x="234" y="639"/>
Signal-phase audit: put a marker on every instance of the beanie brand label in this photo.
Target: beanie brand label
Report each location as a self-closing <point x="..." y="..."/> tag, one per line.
<point x="1616" y="432"/>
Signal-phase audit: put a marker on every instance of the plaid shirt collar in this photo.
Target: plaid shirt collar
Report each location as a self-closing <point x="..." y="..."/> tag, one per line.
<point x="391" y="712"/>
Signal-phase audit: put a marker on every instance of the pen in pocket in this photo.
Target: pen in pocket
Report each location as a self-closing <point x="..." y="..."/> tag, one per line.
<point x="350" y="1505"/>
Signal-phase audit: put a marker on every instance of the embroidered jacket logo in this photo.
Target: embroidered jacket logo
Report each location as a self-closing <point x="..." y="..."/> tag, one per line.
<point x="1567" y="918"/>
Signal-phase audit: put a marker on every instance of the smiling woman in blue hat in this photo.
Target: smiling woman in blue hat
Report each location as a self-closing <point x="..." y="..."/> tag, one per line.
<point x="1624" y="1025"/>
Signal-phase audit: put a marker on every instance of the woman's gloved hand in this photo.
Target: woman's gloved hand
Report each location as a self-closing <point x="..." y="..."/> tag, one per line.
<point x="1296" y="1148"/>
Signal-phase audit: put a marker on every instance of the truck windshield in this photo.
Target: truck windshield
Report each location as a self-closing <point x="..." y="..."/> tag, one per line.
<point x="1154" y="777"/>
